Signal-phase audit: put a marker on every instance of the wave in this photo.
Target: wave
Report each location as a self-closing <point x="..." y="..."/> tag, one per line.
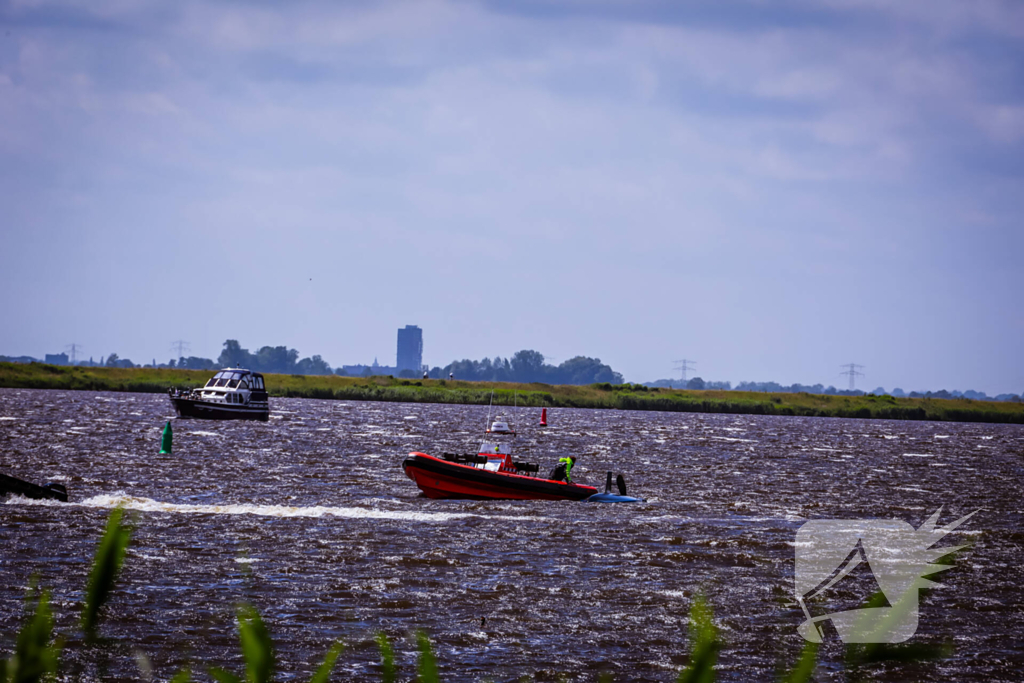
<point x="150" y="505"/>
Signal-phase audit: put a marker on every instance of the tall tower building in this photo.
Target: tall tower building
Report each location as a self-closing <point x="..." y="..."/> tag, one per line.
<point x="410" y="349"/>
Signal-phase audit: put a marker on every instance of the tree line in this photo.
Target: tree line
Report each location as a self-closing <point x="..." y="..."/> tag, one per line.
<point x="528" y="366"/>
<point x="523" y="366"/>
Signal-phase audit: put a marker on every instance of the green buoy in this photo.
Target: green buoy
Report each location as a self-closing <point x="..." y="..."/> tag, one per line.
<point x="165" y="442"/>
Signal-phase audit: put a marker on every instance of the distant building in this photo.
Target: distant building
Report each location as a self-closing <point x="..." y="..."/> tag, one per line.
<point x="410" y="349"/>
<point x="56" y="358"/>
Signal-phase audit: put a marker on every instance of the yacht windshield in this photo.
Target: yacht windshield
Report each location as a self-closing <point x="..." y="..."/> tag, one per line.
<point x="232" y="384"/>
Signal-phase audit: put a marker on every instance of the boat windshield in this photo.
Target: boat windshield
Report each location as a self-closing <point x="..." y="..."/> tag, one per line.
<point x="490" y="449"/>
<point x="232" y="383"/>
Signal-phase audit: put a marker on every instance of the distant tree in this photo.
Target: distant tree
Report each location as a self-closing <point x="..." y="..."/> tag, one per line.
<point x="312" y="366"/>
<point x="277" y="359"/>
<point x="528" y="366"/>
<point x="583" y="370"/>
<point x="695" y="383"/>
<point x="112" y="360"/>
<point x="234" y="356"/>
<point x="898" y="393"/>
<point x="196" y="363"/>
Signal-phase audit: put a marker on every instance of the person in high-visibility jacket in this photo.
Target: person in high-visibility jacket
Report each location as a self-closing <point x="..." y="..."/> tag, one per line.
<point x="568" y="462"/>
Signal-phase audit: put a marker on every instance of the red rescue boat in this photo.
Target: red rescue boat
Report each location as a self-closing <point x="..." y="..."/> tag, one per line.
<point x="490" y="474"/>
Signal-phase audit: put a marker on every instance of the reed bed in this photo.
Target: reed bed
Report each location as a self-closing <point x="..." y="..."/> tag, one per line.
<point x="607" y="396"/>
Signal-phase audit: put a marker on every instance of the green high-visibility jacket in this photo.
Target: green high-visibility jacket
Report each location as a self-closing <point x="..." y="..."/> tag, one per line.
<point x="568" y="468"/>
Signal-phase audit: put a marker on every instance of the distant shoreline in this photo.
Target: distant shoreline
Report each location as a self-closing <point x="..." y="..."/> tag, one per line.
<point x="618" y="397"/>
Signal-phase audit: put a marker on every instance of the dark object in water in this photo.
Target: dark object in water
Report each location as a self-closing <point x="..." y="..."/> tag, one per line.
<point x="17" y="487"/>
<point x="609" y="497"/>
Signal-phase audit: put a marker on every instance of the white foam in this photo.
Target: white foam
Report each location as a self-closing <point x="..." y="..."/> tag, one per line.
<point x="150" y="505"/>
<point x="918" y="455"/>
<point x="197" y="433"/>
<point x="5" y="417"/>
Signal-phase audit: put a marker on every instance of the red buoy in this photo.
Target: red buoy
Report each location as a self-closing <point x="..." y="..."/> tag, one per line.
<point x="543" y="417"/>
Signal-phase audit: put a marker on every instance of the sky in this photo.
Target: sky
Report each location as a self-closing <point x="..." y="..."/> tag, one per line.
<point x="769" y="189"/>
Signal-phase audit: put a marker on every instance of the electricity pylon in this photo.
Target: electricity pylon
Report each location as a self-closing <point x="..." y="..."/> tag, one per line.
<point x="851" y="371"/>
<point x="684" y="366"/>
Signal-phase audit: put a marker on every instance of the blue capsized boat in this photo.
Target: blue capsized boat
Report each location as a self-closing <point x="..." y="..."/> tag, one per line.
<point x="609" y="497"/>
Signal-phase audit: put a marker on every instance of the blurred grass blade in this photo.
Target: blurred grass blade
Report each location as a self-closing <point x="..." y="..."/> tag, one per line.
<point x="257" y="648"/>
<point x="35" y="657"/>
<point x="427" y="664"/>
<point x="324" y="672"/>
<point x="387" y="659"/>
<point x="222" y="675"/>
<point x="805" y="666"/>
<point x="705" y="645"/>
<point x="183" y="676"/>
<point x="105" y="569"/>
<point x="145" y="666"/>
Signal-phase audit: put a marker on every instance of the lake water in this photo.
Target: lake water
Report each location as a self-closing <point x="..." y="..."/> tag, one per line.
<point x="310" y="517"/>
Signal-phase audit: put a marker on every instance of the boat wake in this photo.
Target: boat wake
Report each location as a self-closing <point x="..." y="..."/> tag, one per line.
<point x="150" y="505"/>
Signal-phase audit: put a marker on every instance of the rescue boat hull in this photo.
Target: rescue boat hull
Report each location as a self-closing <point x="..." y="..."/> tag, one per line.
<point x="439" y="478"/>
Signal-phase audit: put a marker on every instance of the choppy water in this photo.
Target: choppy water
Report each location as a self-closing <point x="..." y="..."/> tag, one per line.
<point x="310" y="517"/>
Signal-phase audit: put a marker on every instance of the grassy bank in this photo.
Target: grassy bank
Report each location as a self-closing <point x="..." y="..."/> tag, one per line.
<point x="621" y="397"/>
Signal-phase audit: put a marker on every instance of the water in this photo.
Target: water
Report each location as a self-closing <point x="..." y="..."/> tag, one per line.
<point x="310" y="517"/>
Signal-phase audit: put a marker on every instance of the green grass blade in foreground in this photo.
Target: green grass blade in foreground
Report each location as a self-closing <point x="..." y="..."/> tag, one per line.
<point x="257" y="648"/>
<point x="324" y="672"/>
<point x="106" y="567"/>
<point x="705" y="644"/>
<point x="35" y="656"/>
<point x="805" y="666"/>
<point x="183" y="676"/>
<point x="427" y="664"/>
<point x="223" y="675"/>
<point x="387" y="659"/>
